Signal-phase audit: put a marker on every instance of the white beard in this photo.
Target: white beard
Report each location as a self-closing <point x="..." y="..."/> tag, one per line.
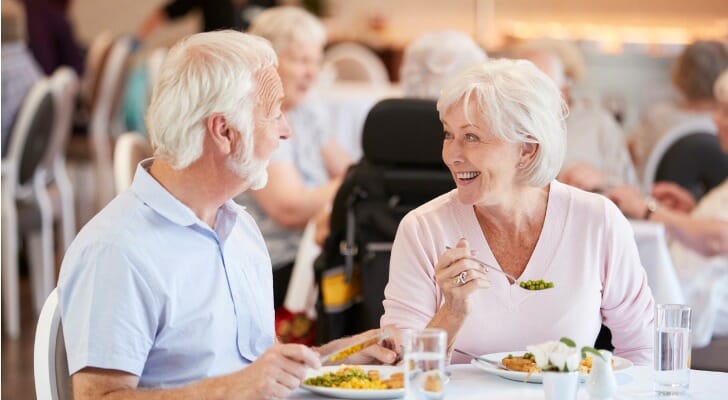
<point x="255" y="172"/>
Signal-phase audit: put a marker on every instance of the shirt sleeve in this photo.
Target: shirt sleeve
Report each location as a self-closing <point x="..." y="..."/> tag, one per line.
<point x="178" y="8"/>
<point x="108" y="310"/>
<point x="627" y="304"/>
<point x="411" y="296"/>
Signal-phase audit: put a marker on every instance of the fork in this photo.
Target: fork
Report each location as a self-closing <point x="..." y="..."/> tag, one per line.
<point x="486" y="265"/>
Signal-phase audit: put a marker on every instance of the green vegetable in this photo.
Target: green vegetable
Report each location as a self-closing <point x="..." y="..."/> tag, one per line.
<point x="539" y="284"/>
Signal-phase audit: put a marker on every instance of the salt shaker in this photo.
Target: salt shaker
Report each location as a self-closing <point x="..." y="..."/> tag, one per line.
<point x="601" y="385"/>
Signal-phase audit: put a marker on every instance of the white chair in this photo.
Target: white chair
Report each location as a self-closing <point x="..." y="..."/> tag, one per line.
<point x="50" y="365"/>
<point x="131" y="148"/>
<point x="105" y="123"/>
<point x="354" y="62"/>
<point x="667" y="140"/>
<point x="65" y="90"/>
<point x="26" y="206"/>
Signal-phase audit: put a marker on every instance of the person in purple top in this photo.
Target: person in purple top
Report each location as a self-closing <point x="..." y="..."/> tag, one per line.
<point x="51" y="38"/>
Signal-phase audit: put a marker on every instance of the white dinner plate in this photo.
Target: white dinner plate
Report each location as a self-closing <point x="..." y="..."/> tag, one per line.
<point x="384" y="372"/>
<point x="619" y="365"/>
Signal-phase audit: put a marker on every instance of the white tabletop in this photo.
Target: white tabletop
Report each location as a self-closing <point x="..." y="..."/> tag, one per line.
<point x="655" y="256"/>
<point x="469" y="382"/>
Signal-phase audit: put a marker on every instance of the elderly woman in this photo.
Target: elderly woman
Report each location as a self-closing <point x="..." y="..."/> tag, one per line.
<point x="700" y="249"/>
<point x="306" y="170"/>
<point x="693" y="74"/>
<point x="504" y="143"/>
<point x="433" y="58"/>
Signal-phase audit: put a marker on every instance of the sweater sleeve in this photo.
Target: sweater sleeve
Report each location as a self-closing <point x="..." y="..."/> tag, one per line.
<point x="627" y="304"/>
<point x="411" y="295"/>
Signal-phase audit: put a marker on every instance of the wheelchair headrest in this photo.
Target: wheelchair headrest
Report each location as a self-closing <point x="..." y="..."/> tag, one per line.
<point x="403" y="132"/>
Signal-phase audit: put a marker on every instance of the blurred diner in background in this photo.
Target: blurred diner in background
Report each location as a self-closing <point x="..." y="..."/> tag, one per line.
<point x="586" y="142"/>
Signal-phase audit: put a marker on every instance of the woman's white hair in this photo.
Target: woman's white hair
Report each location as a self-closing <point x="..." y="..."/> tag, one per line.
<point x="288" y="25"/>
<point x="519" y="104"/>
<point x="205" y="74"/>
<point x="720" y="88"/>
<point x="433" y="58"/>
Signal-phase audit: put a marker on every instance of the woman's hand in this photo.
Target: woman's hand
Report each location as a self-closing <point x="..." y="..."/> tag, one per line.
<point x="458" y="277"/>
<point x="673" y="196"/>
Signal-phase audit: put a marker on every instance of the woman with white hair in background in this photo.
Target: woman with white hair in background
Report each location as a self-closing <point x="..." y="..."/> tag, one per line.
<point x="433" y="58"/>
<point x="700" y="248"/>
<point x="504" y="143"/>
<point x="305" y="172"/>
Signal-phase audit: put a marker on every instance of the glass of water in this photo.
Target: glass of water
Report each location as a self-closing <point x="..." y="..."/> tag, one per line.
<point x="672" y="349"/>
<point x="424" y="363"/>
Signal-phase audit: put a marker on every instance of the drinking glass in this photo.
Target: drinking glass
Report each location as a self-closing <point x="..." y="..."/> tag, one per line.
<point x="424" y="362"/>
<point x="672" y="349"/>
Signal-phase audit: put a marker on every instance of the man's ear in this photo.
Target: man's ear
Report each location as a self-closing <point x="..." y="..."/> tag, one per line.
<point x="220" y="133"/>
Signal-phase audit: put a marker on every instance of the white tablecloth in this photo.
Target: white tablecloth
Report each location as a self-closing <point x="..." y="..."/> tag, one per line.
<point x="661" y="274"/>
<point x="469" y="382"/>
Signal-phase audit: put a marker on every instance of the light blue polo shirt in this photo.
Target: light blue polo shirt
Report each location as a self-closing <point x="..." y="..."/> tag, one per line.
<point x="148" y="288"/>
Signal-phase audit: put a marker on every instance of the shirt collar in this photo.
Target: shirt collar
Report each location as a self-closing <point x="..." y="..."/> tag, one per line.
<point x="153" y="194"/>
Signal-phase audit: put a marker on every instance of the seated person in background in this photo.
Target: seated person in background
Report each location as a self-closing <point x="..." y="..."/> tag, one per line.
<point x="51" y="37"/>
<point x="596" y="153"/>
<point x="19" y="70"/>
<point x="700" y="248"/>
<point x="693" y="74"/>
<point x="216" y="14"/>
<point x="434" y="57"/>
<point x="305" y="171"/>
<point x="504" y="143"/>
<point x="167" y="292"/>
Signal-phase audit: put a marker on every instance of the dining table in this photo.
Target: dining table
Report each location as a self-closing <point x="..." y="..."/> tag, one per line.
<point x="469" y="382"/>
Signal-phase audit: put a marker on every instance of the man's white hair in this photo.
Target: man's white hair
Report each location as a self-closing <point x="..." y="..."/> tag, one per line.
<point x="288" y="25"/>
<point x="433" y="58"/>
<point x="519" y="104"/>
<point x="720" y="88"/>
<point x="202" y="75"/>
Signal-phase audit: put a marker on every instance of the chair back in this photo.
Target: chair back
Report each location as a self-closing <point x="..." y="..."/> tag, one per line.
<point x="154" y="66"/>
<point x="354" y="62"/>
<point x="105" y="122"/>
<point x="695" y="162"/>
<point x="31" y="135"/>
<point x="50" y="365"/>
<point x="65" y="86"/>
<point x="672" y="136"/>
<point x="96" y="58"/>
<point x="401" y="169"/>
<point x="131" y="148"/>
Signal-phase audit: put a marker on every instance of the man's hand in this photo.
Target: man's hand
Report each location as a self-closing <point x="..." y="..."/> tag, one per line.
<point x="673" y="196"/>
<point x="275" y="374"/>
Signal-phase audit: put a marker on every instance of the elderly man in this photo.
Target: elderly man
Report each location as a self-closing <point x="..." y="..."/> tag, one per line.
<point x="169" y="287"/>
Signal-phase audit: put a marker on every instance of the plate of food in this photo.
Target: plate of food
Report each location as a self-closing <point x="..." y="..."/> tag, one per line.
<point x="520" y="366"/>
<point x="356" y="381"/>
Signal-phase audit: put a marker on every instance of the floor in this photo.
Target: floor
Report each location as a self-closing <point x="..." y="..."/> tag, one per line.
<point x="17" y="354"/>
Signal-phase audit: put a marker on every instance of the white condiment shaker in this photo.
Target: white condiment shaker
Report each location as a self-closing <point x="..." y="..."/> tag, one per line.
<point x="601" y="384"/>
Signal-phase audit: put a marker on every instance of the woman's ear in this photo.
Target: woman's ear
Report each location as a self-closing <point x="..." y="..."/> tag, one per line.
<point x="528" y="153"/>
<point x="220" y="133"/>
